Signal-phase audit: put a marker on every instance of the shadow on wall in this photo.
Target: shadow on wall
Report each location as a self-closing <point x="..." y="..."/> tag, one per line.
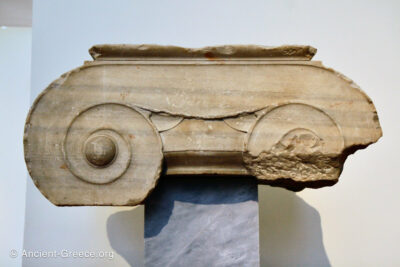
<point x="290" y="230"/>
<point x="125" y="233"/>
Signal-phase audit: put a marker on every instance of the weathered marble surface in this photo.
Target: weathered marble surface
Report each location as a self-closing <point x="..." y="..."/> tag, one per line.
<point x="208" y="221"/>
<point x="102" y="133"/>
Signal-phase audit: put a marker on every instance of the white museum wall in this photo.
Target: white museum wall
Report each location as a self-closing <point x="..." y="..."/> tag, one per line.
<point x="15" y="78"/>
<point x="354" y="223"/>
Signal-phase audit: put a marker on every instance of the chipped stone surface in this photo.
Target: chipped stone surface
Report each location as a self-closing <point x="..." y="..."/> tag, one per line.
<point x="294" y="171"/>
<point x="101" y="133"/>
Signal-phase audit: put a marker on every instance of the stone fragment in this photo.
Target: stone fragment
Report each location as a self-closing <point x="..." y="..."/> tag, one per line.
<point x="102" y="133"/>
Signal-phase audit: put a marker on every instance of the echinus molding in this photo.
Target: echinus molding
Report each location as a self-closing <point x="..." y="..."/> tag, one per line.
<point x="102" y="133"/>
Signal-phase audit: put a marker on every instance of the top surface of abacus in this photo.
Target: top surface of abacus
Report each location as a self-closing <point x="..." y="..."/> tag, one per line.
<point x="225" y="52"/>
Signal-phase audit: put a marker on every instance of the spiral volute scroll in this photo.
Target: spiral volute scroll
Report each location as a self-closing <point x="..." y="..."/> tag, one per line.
<point x="295" y="146"/>
<point x="105" y="154"/>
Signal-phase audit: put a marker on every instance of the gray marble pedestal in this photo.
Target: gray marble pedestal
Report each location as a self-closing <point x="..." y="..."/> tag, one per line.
<point x="202" y="221"/>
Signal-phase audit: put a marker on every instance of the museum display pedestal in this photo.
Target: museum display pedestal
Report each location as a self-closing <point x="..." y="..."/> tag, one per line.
<point x="202" y="221"/>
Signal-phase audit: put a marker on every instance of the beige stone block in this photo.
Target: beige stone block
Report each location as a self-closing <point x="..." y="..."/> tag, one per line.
<point x="102" y="133"/>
